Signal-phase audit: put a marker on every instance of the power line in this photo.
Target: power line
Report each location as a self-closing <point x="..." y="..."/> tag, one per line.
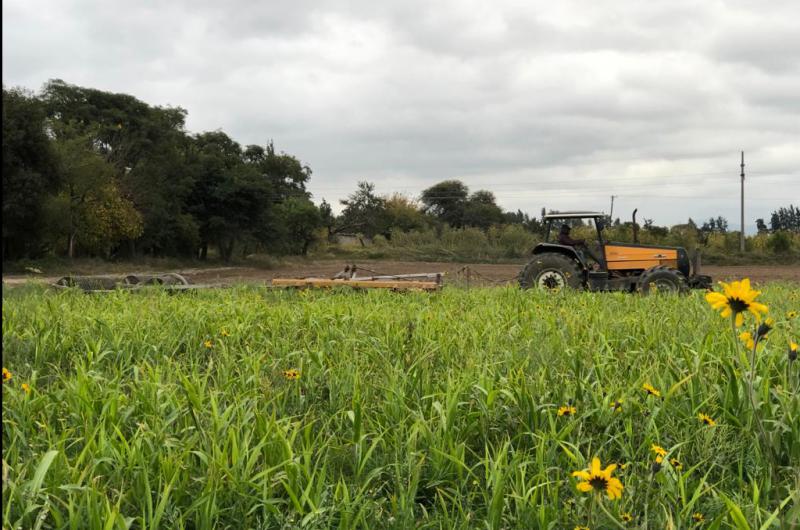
<point x="764" y="175"/>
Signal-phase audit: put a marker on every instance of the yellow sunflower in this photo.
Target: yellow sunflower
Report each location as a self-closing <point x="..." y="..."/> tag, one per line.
<point x="600" y="480"/>
<point x="736" y="298"/>
<point x="208" y="344"/>
<point x="291" y="374"/>
<point x="617" y="405"/>
<point x="792" y="351"/>
<point x="657" y="449"/>
<point x="6" y="374"/>
<point x="791" y="314"/>
<point x="651" y="390"/>
<point x="706" y="419"/>
<point x="676" y="464"/>
<point x="626" y="517"/>
<point x="698" y="517"/>
<point x="567" y="410"/>
<point x="26" y="387"/>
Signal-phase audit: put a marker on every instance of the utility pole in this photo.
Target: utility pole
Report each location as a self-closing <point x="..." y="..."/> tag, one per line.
<point x="611" y="215"/>
<point x="741" y="234"/>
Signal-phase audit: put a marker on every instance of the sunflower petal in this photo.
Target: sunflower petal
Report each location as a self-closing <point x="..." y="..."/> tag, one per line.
<point x="582" y="475"/>
<point x="584" y="486"/>
<point x="715" y="298"/>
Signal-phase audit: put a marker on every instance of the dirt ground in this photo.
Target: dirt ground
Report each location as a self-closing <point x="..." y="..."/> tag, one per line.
<point x="458" y="273"/>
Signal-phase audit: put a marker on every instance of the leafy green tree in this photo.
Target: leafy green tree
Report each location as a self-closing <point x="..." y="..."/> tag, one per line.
<point x="327" y="219"/>
<point x="531" y="224"/>
<point x="481" y="210"/>
<point x="301" y="221"/>
<point x="446" y="201"/>
<point x="230" y="199"/>
<point x="404" y="214"/>
<point x="29" y="173"/>
<point x="89" y="210"/>
<point x="287" y="175"/>
<point x="147" y="146"/>
<point x="364" y="212"/>
<point x="785" y="218"/>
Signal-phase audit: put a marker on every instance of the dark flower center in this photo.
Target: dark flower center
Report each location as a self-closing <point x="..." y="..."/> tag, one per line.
<point x="738" y="306"/>
<point x="598" y="483"/>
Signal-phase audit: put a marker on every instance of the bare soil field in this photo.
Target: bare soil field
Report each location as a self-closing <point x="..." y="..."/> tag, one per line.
<point x="459" y="273"/>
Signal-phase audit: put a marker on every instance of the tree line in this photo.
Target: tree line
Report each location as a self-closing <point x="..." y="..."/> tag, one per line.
<point x="94" y="173"/>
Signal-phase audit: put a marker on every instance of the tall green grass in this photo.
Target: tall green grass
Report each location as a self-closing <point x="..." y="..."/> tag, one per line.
<point x="412" y="410"/>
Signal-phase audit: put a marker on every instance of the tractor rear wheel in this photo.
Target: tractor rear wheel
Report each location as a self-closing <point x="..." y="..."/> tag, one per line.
<point x="663" y="280"/>
<point x="551" y="271"/>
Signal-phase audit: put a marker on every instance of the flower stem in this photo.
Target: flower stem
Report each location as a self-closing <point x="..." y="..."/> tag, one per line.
<point x="610" y="517"/>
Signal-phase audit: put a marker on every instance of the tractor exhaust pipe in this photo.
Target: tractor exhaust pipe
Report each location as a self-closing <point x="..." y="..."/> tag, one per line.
<point x="635" y="227"/>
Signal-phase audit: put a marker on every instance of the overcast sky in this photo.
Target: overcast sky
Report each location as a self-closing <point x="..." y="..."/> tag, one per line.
<point x="559" y="104"/>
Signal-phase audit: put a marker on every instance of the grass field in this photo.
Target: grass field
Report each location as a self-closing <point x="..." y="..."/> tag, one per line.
<point x="250" y="408"/>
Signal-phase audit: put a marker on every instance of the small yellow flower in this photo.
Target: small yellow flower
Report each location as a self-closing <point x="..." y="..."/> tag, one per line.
<point x="626" y="517"/>
<point x="224" y="333"/>
<point x="792" y="351"/>
<point x="791" y="314"/>
<point x="617" y="405"/>
<point x="659" y="459"/>
<point x="292" y="374"/>
<point x="6" y="374"/>
<point x="676" y="464"/>
<point x="747" y="339"/>
<point x="567" y="410"/>
<point x="657" y="449"/>
<point x="736" y="299"/>
<point x="26" y="387"/>
<point x="698" y="517"/>
<point x="208" y="344"/>
<point x="651" y="390"/>
<point x="706" y="419"/>
<point x="600" y="480"/>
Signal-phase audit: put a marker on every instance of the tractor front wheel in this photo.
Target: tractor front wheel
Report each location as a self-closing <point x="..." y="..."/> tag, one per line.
<point x="663" y="280"/>
<point x="551" y="271"/>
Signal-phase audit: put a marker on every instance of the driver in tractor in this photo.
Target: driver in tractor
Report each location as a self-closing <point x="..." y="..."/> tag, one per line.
<point x="579" y="244"/>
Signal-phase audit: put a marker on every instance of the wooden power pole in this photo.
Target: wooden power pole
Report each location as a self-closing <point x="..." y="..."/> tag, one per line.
<point x="741" y="234"/>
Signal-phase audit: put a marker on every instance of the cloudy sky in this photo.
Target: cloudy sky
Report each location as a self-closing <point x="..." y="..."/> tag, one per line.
<point x="557" y="104"/>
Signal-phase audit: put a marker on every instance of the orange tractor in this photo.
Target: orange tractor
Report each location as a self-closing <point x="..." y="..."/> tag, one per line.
<point x="621" y="266"/>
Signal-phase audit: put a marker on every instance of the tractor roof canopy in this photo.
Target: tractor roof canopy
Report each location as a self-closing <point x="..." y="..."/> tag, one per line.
<point x="574" y="215"/>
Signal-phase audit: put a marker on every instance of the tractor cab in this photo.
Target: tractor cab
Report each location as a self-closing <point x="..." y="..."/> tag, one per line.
<point x="553" y="223"/>
<point x="609" y="266"/>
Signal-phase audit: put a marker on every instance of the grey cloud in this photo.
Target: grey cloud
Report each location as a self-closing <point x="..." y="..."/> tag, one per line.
<point x="547" y="103"/>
